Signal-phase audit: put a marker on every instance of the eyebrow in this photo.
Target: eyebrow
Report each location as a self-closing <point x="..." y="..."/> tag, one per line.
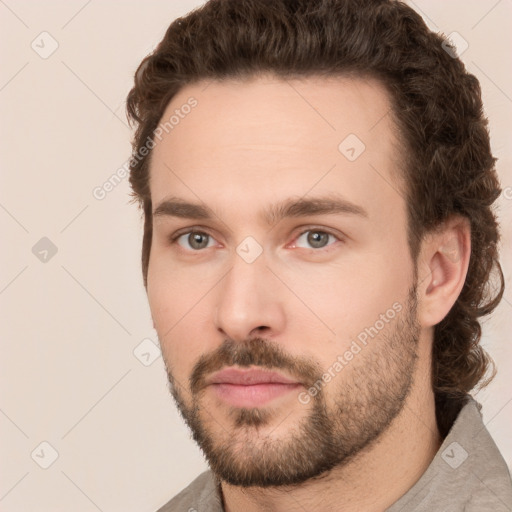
<point x="289" y="208"/>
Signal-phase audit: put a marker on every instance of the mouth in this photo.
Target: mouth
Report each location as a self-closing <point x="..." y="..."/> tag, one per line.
<point x="250" y="387"/>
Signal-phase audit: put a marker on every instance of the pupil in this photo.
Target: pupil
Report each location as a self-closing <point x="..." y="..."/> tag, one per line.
<point x="315" y="238"/>
<point x="197" y="239"/>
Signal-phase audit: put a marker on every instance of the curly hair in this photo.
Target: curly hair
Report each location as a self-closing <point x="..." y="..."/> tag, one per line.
<point x="448" y="168"/>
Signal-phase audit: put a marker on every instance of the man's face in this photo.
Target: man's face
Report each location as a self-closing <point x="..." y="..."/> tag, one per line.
<point x="290" y="340"/>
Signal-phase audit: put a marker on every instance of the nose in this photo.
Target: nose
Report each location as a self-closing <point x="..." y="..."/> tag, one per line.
<point x="248" y="302"/>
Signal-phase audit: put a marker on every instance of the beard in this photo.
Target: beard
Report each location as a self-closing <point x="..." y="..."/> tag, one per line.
<point x="364" y="399"/>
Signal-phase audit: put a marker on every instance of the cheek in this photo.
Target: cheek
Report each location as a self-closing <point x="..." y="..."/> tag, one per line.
<point x="172" y="290"/>
<point x="350" y="295"/>
<point x="179" y="306"/>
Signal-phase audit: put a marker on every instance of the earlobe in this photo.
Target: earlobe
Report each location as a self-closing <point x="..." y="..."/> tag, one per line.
<point x="445" y="264"/>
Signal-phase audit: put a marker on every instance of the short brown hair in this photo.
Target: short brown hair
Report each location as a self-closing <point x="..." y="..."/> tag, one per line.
<point x="436" y="105"/>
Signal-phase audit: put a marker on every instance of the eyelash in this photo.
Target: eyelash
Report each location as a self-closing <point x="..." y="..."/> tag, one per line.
<point x="173" y="239"/>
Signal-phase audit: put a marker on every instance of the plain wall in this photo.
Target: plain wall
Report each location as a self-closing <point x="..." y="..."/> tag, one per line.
<point x="70" y="324"/>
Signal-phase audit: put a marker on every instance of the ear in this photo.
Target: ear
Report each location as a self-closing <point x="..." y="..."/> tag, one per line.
<point x="442" y="268"/>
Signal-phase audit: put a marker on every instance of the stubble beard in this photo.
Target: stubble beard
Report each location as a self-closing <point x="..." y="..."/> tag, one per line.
<point x="369" y="393"/>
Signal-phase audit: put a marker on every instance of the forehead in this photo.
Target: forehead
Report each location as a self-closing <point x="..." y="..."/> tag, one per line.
<point x="254" y="141"/>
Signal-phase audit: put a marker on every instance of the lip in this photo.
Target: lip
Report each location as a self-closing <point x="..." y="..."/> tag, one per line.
<point x="250" y="387"/>
<point x="249" y="376"/>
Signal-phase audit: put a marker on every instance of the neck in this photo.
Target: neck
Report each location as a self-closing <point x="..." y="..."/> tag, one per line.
<point x="372" y="481"/>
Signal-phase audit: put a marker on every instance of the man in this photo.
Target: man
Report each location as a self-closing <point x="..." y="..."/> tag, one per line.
<point x="317" y="185"/>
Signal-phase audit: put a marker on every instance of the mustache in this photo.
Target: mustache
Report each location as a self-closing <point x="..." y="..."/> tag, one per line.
<point x="253" y="352"/>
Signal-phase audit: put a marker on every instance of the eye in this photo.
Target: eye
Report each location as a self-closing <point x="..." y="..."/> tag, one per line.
<point x="196" y="240"/>
<point x="316" y="238"/>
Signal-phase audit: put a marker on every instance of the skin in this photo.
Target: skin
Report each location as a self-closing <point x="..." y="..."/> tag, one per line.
<point x="253" y="143"/>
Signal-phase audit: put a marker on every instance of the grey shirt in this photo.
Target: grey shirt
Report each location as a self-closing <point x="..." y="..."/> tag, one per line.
<point x="467" y="474"/>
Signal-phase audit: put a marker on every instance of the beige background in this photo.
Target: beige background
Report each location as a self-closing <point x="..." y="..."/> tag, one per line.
<point x="70" y="325"/>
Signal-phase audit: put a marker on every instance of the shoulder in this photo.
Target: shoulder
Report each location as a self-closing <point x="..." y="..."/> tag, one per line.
<point x="487" y="475"/>
<point x="200" y="495"/>
<point x="468" y="472"/>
